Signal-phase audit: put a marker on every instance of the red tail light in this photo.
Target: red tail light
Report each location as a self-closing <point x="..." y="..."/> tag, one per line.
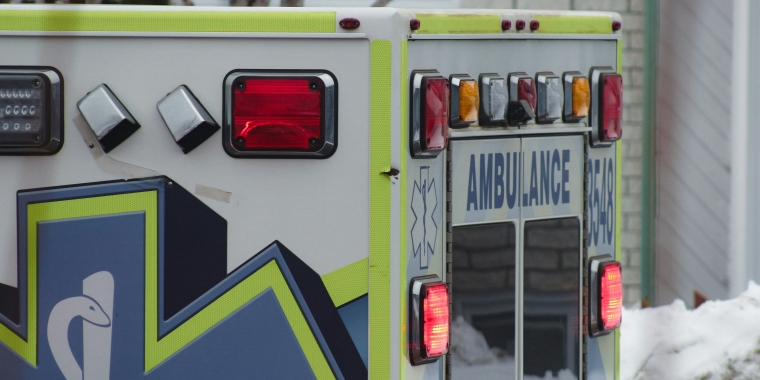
<point x="611" y="107"/>
<point x="606" y="113"/>
<point x="428" y="320"/>
<point x="277" y="114"/>
<point x="283" y="114"/>
<point x="430" y="114"/>
<point x="436" y="114"/>
<point x="611" y="295"/>
<point x="435" y="321"/>
<point x="606" y="295"/>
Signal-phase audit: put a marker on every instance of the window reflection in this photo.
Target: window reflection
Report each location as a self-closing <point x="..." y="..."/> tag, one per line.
<point x="483" y="296"/>
<point x="551" y="303"/>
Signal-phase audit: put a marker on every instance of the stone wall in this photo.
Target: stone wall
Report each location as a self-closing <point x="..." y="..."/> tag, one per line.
<point x="632" y="12"/>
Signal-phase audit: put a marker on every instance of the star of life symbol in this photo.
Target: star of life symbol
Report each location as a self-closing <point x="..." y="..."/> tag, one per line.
<point x="424" y="208"/>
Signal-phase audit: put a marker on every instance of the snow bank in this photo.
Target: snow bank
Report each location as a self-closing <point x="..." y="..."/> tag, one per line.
<point x="718" y="340"/>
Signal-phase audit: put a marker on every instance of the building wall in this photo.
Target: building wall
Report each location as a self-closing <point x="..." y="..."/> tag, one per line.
<point x="693" y="149"/>
<point x="632" y="12"/>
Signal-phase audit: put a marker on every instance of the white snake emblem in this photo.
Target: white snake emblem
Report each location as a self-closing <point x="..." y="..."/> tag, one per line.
<point x="95" y="306"/>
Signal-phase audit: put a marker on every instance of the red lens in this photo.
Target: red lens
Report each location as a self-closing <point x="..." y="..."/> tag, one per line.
<point x="436" y="113"/>
<point x="612" y="107"/>
<point x="435" y="324"/>
<point x="277" y="114"/>
<point x="526" y="90"/>
<point x="611" y="293"/>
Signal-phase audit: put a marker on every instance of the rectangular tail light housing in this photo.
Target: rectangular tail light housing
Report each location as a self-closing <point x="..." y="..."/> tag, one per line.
<point x="280" y="114"/>
<point x="429" y="127"/>
<point x="606" y="106"/>
<point x="606" y="295"/>
<point x="429" y="320"/>
<point x="31" y="111"/>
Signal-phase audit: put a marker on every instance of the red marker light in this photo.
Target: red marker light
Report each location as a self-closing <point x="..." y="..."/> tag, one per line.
<point x="435" y="324"/>
<point x="526" y="90"/>
<point x="611" y="106"/>
<point x="349" y="23"/>
<point x="611" y="295"/>
<point x="277" y="114"/>
<point x="435" y="116"/>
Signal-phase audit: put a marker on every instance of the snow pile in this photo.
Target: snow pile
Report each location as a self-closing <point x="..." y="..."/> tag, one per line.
<point x="718" y="340"/>
<point x="471" y="358"/>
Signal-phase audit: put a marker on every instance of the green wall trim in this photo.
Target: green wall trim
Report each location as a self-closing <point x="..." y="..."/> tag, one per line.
<point x="348" y="283"/>
<point x="166" y="21"/>
<point x="574" y="24"/>
<point x="459" y="24"/>
<point x="648" y="190"/>
<point x="380" y="210"/>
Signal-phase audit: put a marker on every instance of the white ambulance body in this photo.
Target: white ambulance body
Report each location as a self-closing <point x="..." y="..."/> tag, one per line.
<point x="308" y="193"/>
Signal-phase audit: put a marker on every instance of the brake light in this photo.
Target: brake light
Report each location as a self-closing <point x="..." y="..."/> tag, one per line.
<point x="276" y="114"/>
<point x="283" y="114"/>
<point x="605" y="295"/>
<point x="435" y="323"/>
<point x="430" y="114"/>
<point x="436" y="112"/>
<point x="611" y="295"/>
<point x="429" y="320"/>
<point x="611" y="107"/>
<point x="606" y="115"/>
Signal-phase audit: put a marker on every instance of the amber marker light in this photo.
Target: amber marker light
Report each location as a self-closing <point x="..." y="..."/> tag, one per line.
<point x="577" y="97"/>
<point x="465" y="99"/>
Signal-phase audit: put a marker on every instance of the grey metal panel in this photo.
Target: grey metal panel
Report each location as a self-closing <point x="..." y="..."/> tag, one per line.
<point x="268" y="196"/>
<point x="693" y="156"/>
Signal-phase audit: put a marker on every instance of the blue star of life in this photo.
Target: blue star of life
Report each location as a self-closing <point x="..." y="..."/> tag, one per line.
<point x="424" y="207"/>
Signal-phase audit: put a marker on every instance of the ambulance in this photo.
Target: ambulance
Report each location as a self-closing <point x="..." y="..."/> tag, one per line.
<point x="268" y="193"/>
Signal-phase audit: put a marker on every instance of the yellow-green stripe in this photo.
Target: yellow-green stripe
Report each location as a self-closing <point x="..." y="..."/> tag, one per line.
<point x="573" y="24"/>
<point x="380" y="210"/>
<point x="404" y="152"/>
<point x="166" y="21"/>
<point x="348" y="283"/>
<point x="459" y="24"/>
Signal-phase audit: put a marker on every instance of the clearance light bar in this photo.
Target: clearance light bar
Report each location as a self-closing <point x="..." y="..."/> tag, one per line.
<point x="429" y="126"/>
<point x="493" y="100"/>
<point x="280" y="114"/>
<point x="606" y="106"/>
<point x="428" y="319"/>
<point x="31" y="111"/>
<point x="606" y="295"/>
<point x="465" y="101"/>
